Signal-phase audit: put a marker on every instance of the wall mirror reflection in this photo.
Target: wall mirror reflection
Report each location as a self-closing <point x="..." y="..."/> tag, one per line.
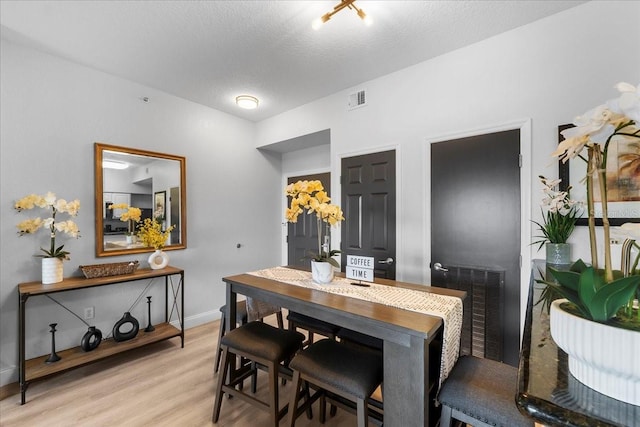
<point x="152" y="182"/>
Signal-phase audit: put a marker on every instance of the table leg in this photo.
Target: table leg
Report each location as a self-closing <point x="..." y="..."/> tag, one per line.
<point x="406" y="379"/>
<point x="21" y="348"/>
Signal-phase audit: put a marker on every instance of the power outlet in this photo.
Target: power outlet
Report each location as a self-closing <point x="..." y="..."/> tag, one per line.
<point x="89" y="313"/>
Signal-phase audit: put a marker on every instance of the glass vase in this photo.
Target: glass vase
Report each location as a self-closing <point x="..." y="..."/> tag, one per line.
<point x="558" y="253"/>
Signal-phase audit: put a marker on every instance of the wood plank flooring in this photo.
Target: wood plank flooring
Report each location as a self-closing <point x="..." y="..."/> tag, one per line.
<point x="159" y="385"/>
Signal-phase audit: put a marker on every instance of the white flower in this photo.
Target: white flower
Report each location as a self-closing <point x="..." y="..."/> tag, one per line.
<point x="49" y="199"/>
<point x="629" y="101"/>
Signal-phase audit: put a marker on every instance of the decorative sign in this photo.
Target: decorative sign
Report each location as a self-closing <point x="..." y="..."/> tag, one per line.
<point x="360" y="268"/>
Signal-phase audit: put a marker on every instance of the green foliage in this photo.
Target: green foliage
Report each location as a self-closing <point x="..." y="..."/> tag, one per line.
<point x="55" y="253"/>
<point x="324" y="257"/>
<point x="556" y="227"/>
<point x="586" y="289"/>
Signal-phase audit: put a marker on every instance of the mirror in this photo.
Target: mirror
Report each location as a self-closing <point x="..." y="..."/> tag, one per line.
<point x="153" y="182"/>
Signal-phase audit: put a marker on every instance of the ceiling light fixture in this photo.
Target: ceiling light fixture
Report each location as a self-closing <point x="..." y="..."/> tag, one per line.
<point x="337" y="8"/>
<point x="114" y="164"/>
<point x="247" y="102"/>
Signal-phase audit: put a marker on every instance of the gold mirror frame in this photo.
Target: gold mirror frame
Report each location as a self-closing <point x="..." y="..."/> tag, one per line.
<point x="99" y="150"/>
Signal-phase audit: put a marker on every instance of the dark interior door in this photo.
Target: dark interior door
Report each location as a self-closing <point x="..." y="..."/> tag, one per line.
<point x="475" y="237"/>
<point x="369" y="206"/>
<point x="302" y="236"/>
<point x="174" y="201"/>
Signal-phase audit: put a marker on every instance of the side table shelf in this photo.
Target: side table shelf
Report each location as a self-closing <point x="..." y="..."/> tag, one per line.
<point x="36" y="368"/>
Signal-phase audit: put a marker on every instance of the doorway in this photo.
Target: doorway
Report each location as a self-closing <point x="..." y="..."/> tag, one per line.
<point x="476" y="236"/>
<point x="368" y="184"/>
<point x="302" y="236"/>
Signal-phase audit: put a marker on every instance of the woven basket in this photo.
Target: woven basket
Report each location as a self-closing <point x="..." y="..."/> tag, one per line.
<point x="112" y="269"/>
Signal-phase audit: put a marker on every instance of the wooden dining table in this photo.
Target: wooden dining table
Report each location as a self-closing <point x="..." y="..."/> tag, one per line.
<point x="412" y="340"/>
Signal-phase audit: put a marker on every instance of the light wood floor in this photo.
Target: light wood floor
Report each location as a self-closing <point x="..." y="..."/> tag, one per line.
<point x="160" y="385"/>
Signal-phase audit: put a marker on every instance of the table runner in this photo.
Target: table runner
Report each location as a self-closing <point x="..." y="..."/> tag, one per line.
<point x="449" y="309"/>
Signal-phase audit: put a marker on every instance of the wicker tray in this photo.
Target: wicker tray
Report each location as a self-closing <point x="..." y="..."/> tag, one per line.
<point x="112" y="269"/>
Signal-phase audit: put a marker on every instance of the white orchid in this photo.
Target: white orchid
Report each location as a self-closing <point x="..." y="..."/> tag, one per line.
<point x="617" y="118"/>
<point x="31" y="225"/>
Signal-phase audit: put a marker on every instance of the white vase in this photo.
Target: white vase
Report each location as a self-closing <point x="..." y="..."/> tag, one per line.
<point x="158" y="260"/>
<point x="321" y="272"/>
<point x="52" y="270"/>
<point x="602" y="357"/>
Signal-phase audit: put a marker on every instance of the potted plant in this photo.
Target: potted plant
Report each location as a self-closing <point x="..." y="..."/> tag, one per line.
<point x="131" y="216"/>
<point x="310" y="196"/>
<point x="52" y="268"/>
<point x="598" y="322"/>
<point x="559" y="221"/>
<point x="151" y="235"/>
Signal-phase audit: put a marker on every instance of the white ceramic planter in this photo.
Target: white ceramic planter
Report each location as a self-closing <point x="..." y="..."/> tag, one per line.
<point x="321" y="272"/>
<point x="601" y="357"/>
<point x="52" y="270"/>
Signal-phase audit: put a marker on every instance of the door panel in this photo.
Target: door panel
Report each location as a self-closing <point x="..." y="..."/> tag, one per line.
<point x="475" y="234"/>
<point x="302" y="236"/>
<point x="369" y="206"/>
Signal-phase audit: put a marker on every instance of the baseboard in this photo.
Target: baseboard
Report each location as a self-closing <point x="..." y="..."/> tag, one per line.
<point x="9" y="390"/>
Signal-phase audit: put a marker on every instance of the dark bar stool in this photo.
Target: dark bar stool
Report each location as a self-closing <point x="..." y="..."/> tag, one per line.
<point x="241" y="319"/>
<point x="347" y="374"/>
<point x="481" y="392"/>
<point x="312" y="326"/>
<point x="261" y="344"/>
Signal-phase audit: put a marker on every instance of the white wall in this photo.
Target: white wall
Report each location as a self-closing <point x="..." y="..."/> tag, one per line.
<point x="548" y="72"/>
<point x="52" y="111"/>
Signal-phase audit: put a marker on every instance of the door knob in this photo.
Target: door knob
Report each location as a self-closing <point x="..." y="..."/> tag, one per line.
<point x="386" y="261"/>
<point x="438" y="267"/>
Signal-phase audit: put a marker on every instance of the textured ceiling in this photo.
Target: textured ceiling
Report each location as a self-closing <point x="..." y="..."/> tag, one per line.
<point x="211" y="51"/>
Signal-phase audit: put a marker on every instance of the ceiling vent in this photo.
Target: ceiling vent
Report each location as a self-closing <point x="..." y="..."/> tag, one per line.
<point x="357" y="100"/>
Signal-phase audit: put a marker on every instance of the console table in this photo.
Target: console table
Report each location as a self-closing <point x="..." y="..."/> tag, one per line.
<point x="546" y="389"/>
<point x="36" y="368"/>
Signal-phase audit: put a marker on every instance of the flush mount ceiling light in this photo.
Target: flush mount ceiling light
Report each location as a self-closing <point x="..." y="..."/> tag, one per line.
<point x="247" y="102"/>
<point x="114" y="164"/>
<point x="337" y="8"/>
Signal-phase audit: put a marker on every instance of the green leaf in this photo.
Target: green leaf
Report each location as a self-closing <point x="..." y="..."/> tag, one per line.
<point x="587" y="286"/>
<point x="569" y="279"/>
<point x="612" y="296"/>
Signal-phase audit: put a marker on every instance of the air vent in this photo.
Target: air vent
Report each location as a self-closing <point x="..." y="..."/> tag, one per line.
<point x="357" y="100"/>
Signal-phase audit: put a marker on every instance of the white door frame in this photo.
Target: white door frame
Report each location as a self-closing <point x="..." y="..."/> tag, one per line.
<point x="524" y="125"/>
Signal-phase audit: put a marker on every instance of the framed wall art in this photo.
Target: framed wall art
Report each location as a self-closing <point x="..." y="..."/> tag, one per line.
<point x="623" y="181"/>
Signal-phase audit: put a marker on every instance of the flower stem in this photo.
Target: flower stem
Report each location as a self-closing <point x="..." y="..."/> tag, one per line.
<point x="591" y="209"/>
<point x="52" y="228"/>
<point x="319" y="221"/>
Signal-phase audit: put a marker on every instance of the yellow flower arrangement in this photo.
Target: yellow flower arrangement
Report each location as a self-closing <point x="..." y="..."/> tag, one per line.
<point x="131" y="215"/>
<point x="150" y="234"/>
<point x="31" y="225"/>
<point x="310" y="196"/>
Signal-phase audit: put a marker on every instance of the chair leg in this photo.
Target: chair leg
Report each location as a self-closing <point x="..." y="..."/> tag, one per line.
<point x="323" y="408"/>
<point x="220" y="335"/>
<point x="445" y="416"/>
<point x="273" y="393"/>
<point x="295" y="397"/>
<point x="361" y="410"/>
<point x="280" y="321"/>
<point x="221" y="379"/>
<point x="307" y="396"/>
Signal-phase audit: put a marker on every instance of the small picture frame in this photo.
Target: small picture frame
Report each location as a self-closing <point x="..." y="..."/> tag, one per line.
<point x="159" y="205"/>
